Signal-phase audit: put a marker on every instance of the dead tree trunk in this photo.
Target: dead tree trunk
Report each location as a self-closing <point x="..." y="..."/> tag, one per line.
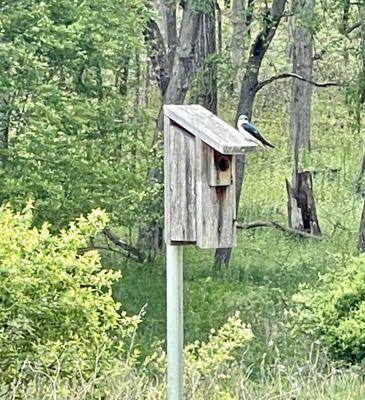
<point x="302" y="213"/>
<point x="250" y="86"/>
<point x="301" y="205"/>
<point x="301" y="95"/>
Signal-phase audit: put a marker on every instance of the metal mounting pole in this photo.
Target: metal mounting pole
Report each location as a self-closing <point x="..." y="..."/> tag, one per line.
<point x="175" y="328"/>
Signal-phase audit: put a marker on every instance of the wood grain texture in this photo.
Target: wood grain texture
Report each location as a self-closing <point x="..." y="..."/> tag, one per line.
<point x="209" y="128"/>
<point x="181" y="197"/>
<point x="215" y="206"/>
<point x="167" y="200"/>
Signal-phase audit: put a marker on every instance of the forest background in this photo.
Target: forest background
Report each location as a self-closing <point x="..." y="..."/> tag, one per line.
<point x="83" y="303"/>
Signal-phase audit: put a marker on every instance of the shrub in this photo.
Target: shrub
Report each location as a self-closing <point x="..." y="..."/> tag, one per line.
<point x="56" y="302"/>
<point x="208" y="369"/>
<point x="335" y="314"/>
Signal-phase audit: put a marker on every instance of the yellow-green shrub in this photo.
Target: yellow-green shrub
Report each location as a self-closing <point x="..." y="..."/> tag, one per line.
<point x="56" y="302"/>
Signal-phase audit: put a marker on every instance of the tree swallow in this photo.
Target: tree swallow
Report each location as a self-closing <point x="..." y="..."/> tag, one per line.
<point x="251" y="133"/>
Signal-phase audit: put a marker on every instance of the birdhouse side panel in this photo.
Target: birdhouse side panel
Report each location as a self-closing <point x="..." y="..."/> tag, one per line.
<point x="216" y="205"/>
<point x="181" y="198"/>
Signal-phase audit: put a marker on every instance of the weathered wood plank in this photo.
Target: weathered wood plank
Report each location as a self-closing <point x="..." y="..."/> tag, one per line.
<point x="167" y="200"/>
<point x="209" y="128"/>
<point x="182" y="198"/>
<point x="216" y="210"/>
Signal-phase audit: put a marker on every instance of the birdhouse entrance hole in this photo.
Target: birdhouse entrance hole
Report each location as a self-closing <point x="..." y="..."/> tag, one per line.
<point x="223" y="163"/>
<point x="220" y="169"/>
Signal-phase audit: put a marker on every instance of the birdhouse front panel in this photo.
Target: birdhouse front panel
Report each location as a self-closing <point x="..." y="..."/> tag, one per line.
<point x="215" y="204"/>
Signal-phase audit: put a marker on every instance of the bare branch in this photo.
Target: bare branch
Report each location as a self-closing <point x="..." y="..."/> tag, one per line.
<point x="353" y="27"/>
<point x="83" y="250"/>
<point x="276" y="225"/>
<point x="131" y="250"/>
<point x="285" y="75"/>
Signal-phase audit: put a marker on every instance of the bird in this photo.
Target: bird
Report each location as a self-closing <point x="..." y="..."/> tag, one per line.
<point x="251" y="133"/>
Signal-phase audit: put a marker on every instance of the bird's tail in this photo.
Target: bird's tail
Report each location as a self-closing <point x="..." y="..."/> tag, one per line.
<point x="268" y="144"/>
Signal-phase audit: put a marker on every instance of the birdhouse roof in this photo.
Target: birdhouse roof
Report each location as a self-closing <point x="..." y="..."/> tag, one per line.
<point x="213" y="131"/>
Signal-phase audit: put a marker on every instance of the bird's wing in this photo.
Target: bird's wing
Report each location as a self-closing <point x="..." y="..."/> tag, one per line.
<point x="252" y="130"/>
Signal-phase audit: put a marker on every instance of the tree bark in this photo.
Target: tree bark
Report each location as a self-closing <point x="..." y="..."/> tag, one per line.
<point x="249" y="88"/>
<point x="361" y="241"/>
<point x="301" y="93"/>
<point x="301" y="205"/>
<point x="167" y="25"/>
<point x="157" y="55"/>
<point x="238" y="21"/>
<point x="302" y="213"/>
<point x="205" y="46"/>
<point x="361" y="90"/>
<point x="184" y="68"/>
<point x="4" y="125"/>
<point x="171" y="32"/>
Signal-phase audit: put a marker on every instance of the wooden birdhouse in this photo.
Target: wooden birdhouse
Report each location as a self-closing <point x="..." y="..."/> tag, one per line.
<point x="200" y="187"/>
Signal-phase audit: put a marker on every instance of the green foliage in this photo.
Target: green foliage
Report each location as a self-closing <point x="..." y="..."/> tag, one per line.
<point x="335" y="314"/>
<point x="56" y="303"/>
<point x="77" y="139"/>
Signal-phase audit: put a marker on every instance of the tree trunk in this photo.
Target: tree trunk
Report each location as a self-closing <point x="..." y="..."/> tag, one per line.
<point x="167" y="25"/>
<point x="121" y="78"/>
<point x="157" y="55"/>
<point x="361" y="79"/>
<point x="205" y="46"/>
<point x="360" y="100"/>
<point x="249" y="88"/>
<point x="171" y="33"/>
<point x="301" y="205"/>
<point x="301" y="94"/>
<point x="4" y="125"/>
<point x="238" y="21"/>
<point x="361" y="242"/>
<point x="182" y="73"/>
<point x="302" y="213"/>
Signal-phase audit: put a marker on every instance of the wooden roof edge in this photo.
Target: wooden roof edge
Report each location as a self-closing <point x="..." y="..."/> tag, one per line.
<point x="230" y="143"/>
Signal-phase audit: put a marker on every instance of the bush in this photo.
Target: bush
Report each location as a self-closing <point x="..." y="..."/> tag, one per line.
<point x="56" y="301"/>
<point x="335" y="314"/>
<point x="208" y="369"/>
